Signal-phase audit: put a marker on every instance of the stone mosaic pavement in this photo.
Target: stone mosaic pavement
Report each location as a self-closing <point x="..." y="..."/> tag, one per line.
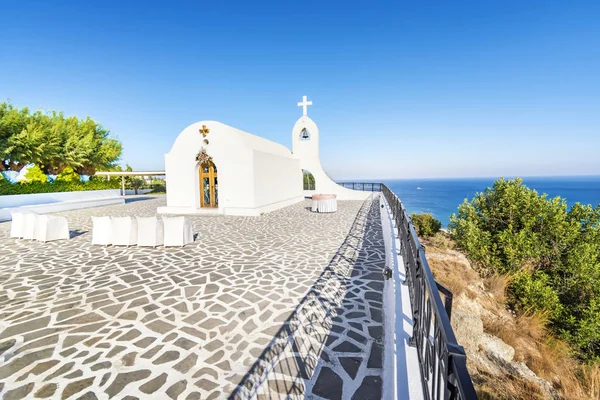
<point x="286" y="305"/>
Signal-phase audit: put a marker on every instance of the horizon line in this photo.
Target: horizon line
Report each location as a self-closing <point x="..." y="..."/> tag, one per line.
<point x="475" y="177"/>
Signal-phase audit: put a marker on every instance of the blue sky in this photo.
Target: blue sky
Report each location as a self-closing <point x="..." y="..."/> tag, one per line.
<point x="400" y="89"/>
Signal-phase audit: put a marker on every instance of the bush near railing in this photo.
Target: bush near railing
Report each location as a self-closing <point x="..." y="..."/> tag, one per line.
<point x="425" y="224"/>
<point x="7" y="188"/>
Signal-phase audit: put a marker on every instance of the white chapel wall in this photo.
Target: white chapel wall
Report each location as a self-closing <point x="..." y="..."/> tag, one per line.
<point x="231" y="157"/>
<point x="277" y="180"/>
<point x="235" y="153"/>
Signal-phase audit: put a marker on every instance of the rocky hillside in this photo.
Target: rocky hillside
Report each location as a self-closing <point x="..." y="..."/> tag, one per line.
<point x="509" y="356"/>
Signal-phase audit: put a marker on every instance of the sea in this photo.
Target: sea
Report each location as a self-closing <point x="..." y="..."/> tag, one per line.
<point x="441" y="197"/>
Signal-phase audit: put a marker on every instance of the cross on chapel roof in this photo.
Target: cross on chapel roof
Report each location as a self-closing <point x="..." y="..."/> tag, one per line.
<point x="204" y="130"/>
<point x="304" y="103"/>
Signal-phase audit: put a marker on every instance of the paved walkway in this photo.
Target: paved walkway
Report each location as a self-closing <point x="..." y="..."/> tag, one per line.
<point x="286" y="305"/>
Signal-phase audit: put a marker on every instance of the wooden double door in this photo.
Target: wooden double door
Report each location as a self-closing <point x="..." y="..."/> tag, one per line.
<point x="209" y="185"/>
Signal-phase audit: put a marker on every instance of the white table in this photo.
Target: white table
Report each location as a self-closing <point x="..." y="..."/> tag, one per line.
<point x="324" y="203"/>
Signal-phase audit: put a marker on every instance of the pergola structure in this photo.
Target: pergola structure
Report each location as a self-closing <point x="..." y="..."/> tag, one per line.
<point x="123" y="174"/>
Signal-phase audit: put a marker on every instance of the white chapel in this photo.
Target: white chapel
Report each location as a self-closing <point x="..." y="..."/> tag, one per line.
<point x="215" y="168"/>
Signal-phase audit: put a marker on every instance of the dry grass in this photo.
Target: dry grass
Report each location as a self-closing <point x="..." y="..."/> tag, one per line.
<point x="452" y="274"/>
<point x="449" y="271"/>
<point x="525" y="333"/>
<point x="590" y="380"/>
<point x="576" y="381"/>
<point x="506" y="387"/>
<point x="547" y="356"/>
<point x="496" y="286"/>
<point x="440" y="241"/>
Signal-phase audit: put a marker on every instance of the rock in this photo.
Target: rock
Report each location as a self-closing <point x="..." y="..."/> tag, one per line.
<point x="496" y="348"/>
<point x="468" y="329"/>
<point x="522" y="371"/>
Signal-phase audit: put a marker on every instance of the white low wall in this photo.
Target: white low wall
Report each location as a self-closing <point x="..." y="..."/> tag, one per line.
<point x="130" y="192"/>
<point x="59" y="201"/>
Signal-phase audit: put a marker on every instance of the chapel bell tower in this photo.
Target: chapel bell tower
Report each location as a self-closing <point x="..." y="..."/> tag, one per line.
<point x="305" y="138"/>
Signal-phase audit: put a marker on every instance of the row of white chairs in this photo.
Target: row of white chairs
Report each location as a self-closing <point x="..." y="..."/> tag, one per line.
<point x="32" y="226"/>
<point x="142" y="231"/>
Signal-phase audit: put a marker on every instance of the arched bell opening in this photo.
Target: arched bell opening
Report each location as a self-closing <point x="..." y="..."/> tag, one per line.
<point x="304" y="134"/>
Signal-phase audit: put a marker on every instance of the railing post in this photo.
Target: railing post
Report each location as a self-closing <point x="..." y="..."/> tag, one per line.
<point x="448" y="305"/>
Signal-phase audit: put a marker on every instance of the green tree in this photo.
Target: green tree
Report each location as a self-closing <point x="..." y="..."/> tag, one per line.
<point x="53" y="142"/>
<point x="136" y="183"/>
<point x="133" y="182"/>
<point x="552" y="252"/>
<point x="12" y="122"/>
<point x="35" y="143"/>
<point x="425" y="224"/>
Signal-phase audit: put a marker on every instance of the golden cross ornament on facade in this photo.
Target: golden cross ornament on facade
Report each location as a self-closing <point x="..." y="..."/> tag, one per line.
<point x="204" y="131"/>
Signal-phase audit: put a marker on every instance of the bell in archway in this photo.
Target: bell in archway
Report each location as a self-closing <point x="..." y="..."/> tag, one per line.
<point x="304" y="134"/>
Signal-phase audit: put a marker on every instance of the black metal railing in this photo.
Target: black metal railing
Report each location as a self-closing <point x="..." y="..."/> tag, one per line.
<point x="442" y="361"/>
<point x="364" y="186"/>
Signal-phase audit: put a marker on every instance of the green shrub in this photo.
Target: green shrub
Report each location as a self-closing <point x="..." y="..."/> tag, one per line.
<point x="425" y="224"/>
<point x="68" y="175"/>
<point x="552" y="251"/>
<point x="533" y="292"/>
<point x="7" y="188"/>
<point x="35" y="174"/>
<point x="582" y="330"/>
<point x="158" y="188"/>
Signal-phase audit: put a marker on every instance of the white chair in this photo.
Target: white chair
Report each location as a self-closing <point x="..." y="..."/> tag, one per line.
<point x="124" y="231"/>
<point x="29" y="225"/>
<point x="51" y="227"/>
<point x="178" y="231"/>
<point x="101" y="232"/>
<point x="150" y="231"/>
<point x="16" y="225"/>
